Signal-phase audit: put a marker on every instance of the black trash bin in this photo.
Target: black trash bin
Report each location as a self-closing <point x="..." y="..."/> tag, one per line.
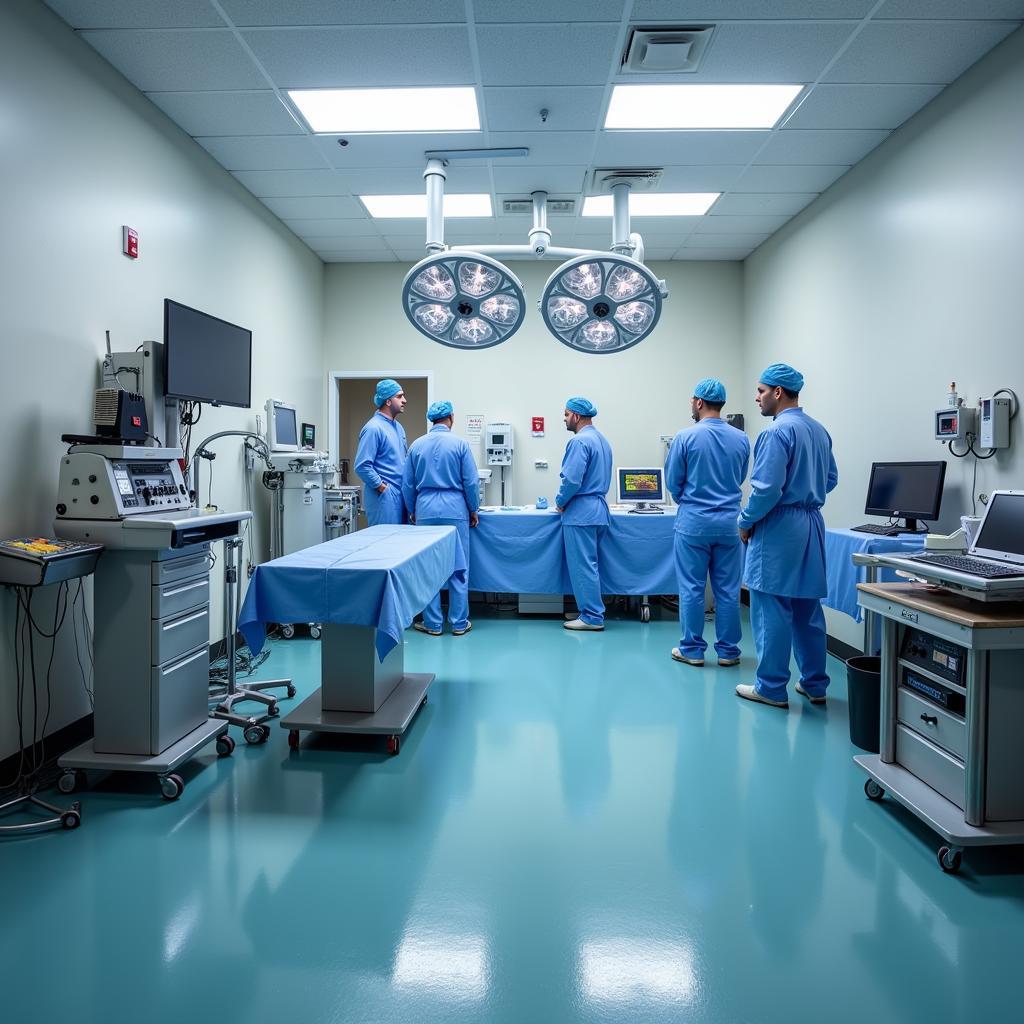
<point x="864" y="687"/>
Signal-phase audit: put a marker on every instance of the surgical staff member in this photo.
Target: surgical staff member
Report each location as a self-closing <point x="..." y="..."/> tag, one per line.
<point x="582" y="500"/>
<point x="705" y="469"/>
<point x="785" y="535"/>
<point x="381" y="454"/>
<point x="441" y="487"/>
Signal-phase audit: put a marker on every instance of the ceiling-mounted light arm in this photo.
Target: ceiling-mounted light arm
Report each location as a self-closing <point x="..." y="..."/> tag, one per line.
<point x="435" y="176"/>
<point x="637" y="244"/>
<point x="523" y="252"/>
<point x="620" y="218"/>
<point x="540" y="233"/>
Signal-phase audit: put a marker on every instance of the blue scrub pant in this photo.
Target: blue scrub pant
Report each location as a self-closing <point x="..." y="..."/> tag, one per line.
<point x="387" y="509"/>
<point x="722" y="557"/>
<point x="581" y="543"/>
<point x="781" y="625"/>
<point x="458" y="593"/>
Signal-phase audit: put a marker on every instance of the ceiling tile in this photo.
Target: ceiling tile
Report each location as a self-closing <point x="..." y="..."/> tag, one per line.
<point x="271" y="184"/>
<point x="805" y="146"/>
<point x="363" y="56"/>
<point x="712" y="241"/>
<point x="722" y="10"/>
<point x="365" y="244"/>
<point x="246" y="13"/>
<point x="396" y="150"/>
<point x="227" y="113"/>
<point x="177" y="59"/>
<point x="474" y="228"/>
<point x="558" y="149"/>
<point x="733" y="255"/>
<point x="789" y="178"/>
<point x="132" y="14"/>
<point x="315" y="206"/>
<point x="569" y="109"/>
<point x="536" y="54"/>
<point x="701" y="178"/>
<point x="522" y="181"/>
<point x="935" y="10"/>
<point x="763" y="202"/>
<point x="646" y="149"/>
<point x="325" y="228"/>
<point x="935" y="52"/>
<point x="792" y="53"/>
<point x="357" y="257"/>
<point x="265" y="152"/>
<point x="745" y="225"/>
<point x="545" y="10"/>
<point x="861" y="106"/>
<point x="369" y="181"/>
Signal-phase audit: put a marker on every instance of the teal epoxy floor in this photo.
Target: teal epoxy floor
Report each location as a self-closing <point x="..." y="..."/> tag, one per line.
<point x="576" y="829"/>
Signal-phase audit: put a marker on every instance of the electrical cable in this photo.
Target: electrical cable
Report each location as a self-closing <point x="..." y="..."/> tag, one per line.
<point x="1013" y="395"/>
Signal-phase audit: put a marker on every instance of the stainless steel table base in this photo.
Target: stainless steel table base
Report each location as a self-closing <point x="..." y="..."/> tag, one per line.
<point x="391" y="719"/>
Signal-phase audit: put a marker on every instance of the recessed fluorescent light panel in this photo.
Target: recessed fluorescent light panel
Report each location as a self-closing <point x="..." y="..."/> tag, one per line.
<point x="470" y="205"/>
<point x="682" y="107"/>
<point x="654" y="204"/>
<point x="333" y="111"/>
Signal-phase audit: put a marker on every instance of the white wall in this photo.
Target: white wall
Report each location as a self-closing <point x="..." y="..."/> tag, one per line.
<point x="904" y="276"/>
<point x="81" y="153"/>
<point x="640" y="393"/>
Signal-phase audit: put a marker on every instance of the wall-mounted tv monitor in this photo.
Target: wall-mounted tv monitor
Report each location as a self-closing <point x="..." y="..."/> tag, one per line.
<point x="206" y="359"/>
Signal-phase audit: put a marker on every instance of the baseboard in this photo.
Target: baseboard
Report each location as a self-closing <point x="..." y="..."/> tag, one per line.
<point x="56" y="744"/>
<point x="840" y="649"/>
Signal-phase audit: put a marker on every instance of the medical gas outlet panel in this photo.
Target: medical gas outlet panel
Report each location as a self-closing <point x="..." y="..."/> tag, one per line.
<point x="92" y="486"/>
<point x="499" y="444"/>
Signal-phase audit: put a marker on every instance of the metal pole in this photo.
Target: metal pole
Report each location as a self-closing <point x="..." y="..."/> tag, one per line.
<point x="620" y="218"/>
<point x="435" y="176"/>
<point x="540" y="235"/>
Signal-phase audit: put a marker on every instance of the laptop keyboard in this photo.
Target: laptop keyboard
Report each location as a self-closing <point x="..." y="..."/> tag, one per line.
<point x="974" y="566"/>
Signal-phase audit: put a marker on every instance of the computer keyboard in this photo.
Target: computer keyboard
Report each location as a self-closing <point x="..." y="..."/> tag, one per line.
<point x="882" y="531"/>
<point x="974" y="566"/>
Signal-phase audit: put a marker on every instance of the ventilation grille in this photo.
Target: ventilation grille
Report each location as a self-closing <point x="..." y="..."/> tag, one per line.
<point x="104" y="410"/>
<point x="665" y="51"/>
<point x="640" y="179"/>
<point x="557" y="207"/>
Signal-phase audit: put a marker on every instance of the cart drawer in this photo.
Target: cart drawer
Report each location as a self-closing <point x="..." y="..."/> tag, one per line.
<point x="179" y="703"/>
<point x="934" y="723"/>
<point x="176" y="634"/>
<point x="932" y="765"/>
<point x="181" y="568"/>
<point x="179" y="596"/>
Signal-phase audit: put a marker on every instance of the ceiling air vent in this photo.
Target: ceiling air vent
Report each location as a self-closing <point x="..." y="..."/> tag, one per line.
<point x="663" y="51"/>
<point x="565" y="207"/>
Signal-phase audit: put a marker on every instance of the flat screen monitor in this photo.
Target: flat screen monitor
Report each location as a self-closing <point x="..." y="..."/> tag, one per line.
<point x="1002" y="530"/>
<point x="206" y="359"/>
<point x="282" y="427"/>
<point x="907" y="490"/>
<point x="640" y="486"/>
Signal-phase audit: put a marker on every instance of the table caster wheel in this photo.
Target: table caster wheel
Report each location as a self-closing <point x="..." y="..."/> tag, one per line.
<point x="68" y="782"/>
<point x="225" y="746"/>
<point x="287" y="630"/>
<point x="645" y="613"/>
<point x="256" y="734"/>
<point x="72" y="817"/>
<point x="291" y="690"/>
<point x="394" y="745"/>
<point x="293" y="739"/>
<point x="949" y="859"/>
<point x="273" y="710"/>
<point x="171" y="786"/>
<point x="314" y="632"/>
<point x="424" y="701"/>
<point x="872" y="790"/>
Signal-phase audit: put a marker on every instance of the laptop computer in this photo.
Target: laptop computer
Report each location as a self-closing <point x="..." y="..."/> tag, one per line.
<point x="998" y="548"/>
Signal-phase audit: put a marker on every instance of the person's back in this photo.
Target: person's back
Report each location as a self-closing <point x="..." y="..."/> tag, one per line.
<point x="705" y="472"/>
<point x="442" y="481"/>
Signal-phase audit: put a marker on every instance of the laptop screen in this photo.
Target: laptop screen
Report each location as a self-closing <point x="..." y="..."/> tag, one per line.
<point x="1002" y="532"/>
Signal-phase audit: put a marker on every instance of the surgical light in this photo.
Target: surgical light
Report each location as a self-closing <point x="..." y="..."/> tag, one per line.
<point x="463" y="299"/>
<point x="604" y="302"/>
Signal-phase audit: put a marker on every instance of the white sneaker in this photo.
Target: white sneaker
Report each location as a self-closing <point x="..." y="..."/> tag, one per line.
<point x="462" y="632"/>
<point x="749" y="692"/>
<point x="580" y="624"/>
<point x="813" y="700"/>
<point x="677" y="655"/>
<point x="421" y="628"/>
<point x="728" y="662"/>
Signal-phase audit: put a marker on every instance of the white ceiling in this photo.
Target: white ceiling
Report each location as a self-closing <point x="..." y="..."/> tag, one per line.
<point x="220" y="68"/>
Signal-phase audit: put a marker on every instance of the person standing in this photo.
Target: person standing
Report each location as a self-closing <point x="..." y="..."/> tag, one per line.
<point x="704" y="472"/>
<point x="441" y="487"/>
<point x="582" y="501"/>
<point x="784" y="532"/>
<point x="381" y="455"/>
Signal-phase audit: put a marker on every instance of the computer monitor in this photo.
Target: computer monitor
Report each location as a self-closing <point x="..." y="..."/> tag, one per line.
<point x="907" y="490"/>
<point x="1001" y="534"/>
<point x="282" y="427"/>
<point x="206" y="359"/>
<point x="642" y="487"/>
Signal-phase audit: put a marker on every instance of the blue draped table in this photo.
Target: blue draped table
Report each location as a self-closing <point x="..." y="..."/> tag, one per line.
<point x="843" y="575"/>
<point x="521" y="553"/>
<point x="379" y="577"/>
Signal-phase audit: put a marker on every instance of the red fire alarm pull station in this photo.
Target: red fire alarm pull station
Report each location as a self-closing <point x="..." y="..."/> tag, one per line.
<point x="538" y="426"/>
<point x="130" y="242"/>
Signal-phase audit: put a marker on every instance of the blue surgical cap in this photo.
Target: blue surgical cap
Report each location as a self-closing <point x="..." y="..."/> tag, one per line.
<point x="583" y="406"/>
<point x="439" y="411"/>
<point x="386" y="389"/>
<point x="782" y="375"/>
<point x="710" y="389"/>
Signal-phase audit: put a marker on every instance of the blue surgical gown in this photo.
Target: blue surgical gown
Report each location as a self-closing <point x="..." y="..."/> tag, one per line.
<point x="793" y="471"/>
<point x="586" y="477"/>
<point x="380" y="458"/>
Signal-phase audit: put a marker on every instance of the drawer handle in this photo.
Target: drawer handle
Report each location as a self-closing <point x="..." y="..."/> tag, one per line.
<point x="182" y="664"/>
<point x="929" y="720"/>
<point x="185" y="589"/>
<point x="188" y="618"/>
